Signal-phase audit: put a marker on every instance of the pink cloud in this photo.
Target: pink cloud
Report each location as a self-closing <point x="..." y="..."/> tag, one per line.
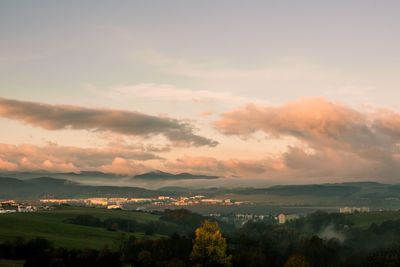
<point x="53" y="157"/>
<point x="124" y="167"/>
<point x="229" y="167"/>
<point x="339" y="140"/>
<point x="7" y="166"/>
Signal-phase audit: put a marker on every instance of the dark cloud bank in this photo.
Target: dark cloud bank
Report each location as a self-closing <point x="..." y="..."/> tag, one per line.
<point x="56" y="117"/>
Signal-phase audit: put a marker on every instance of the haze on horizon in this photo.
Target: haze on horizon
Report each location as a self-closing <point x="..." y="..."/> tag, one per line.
<point x="281" y="92"/>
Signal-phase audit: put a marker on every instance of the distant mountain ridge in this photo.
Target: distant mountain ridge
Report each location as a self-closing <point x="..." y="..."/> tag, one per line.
<point x="92" y="175"/>
<point x="160" y="175"/>
<point x="352" y="193"/>
<point x="60" y="188"/>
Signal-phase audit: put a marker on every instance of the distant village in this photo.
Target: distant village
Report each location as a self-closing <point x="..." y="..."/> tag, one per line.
<point x="350" y="210"/>
<point x="240" y="219"/>
<point x="121" y="203"/>
<point x="12" y="206"/>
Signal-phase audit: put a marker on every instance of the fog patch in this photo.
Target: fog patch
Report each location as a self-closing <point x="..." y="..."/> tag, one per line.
<point x="330" y="232"/>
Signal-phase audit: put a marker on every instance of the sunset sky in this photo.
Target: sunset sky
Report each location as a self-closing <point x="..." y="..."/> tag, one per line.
<point x="297" y="91"/>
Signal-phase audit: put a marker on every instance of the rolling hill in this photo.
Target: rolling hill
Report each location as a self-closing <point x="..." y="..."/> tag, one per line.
<point x="159" y="175"/>
<point x="51" y="225"/>
<point x="61" y="188"/>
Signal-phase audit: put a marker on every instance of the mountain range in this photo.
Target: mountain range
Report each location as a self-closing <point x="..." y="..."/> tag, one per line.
<point x="48" y="187"/>
<point x="95" y="175"/>
<point x="357" y="193"/>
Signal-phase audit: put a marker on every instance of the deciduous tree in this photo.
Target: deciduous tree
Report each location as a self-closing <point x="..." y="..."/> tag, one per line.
<point x="209" y="247"/>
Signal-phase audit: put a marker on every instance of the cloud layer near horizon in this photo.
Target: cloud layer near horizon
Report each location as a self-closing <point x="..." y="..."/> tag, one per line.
<point x="333" y="140"/>
<point x="324" y="140"/>
<point x="57" y="158"/>
<point x="56" y="117"/>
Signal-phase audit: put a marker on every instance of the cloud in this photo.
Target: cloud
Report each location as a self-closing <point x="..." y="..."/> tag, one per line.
<point x="168" y="91"/>
<point x="206" y="113"/>
<point x="123" y="166"/>
<point x="260" y="81"/>
<point x="229" y="167"/>
<point x="36" y="164"/>
<point x="57" y="117"/>
<point x="49" y="165"/>
<point x="7" y="166"/>
<point x="316" y="122"/>
<point x="334" y="165"/>
<point x="335" y="140"/>
<point x="124" y="160"/>
<point x="285" y="69"/>
<point x="56" y="158"/>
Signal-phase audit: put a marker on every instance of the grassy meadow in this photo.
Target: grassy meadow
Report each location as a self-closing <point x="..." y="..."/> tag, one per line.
<point x="50" y="225"/>
<point x="11" y="263"/>
<point x="364" y="220"/>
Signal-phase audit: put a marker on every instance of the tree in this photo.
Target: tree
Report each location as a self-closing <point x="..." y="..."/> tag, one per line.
<point x="297" y="260"/>
<point x="209" y="247"/>
<point x="145" y="258"/>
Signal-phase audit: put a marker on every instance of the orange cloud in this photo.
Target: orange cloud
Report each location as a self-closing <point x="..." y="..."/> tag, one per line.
<point x="7" y="166"/>
<point x="316" y="122"/>
<point x="49" y="165"/>
<point x="343" y="141"/>
<point x="230" y="167"/>
<point x="124" y="167"/>
<point x="53" y="157"/>
<point x="315" y="119"/>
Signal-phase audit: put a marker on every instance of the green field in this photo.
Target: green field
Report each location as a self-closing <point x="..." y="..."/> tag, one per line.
<point x="50" y="225"/>
<point x="11" y="263"/>
<point x="277" y="200"/>
<point x="364" y="220"/>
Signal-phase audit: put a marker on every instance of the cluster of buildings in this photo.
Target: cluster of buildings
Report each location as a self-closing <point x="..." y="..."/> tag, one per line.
<point x="198" y="200"/>
<point x="119" y="203"/>
<point x="11" y="206"/>
<point x="242" y="218"/>
<point x="351" y="210"/>
<point x="284" y="218"/>
<point x="109" y="203"/>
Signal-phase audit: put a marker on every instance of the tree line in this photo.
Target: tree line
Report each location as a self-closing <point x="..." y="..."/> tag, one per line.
<point x="302" y="243"/>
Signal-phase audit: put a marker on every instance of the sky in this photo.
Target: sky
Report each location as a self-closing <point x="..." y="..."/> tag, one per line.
<point x="280" y="91"/>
